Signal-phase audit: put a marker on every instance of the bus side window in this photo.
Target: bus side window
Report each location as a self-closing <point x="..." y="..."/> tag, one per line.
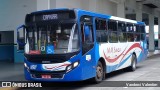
<point x="122" y="32"/>
<point x="101" y="30"/>
<point x="82" y="32"/>
<point x="142" y="32"/>
<point x="130" y="32"/>
<point x="137" y="33"/>
<point x="89" y="37"/>
<point x="112" y="31"/>
<point x="87" y="21"/>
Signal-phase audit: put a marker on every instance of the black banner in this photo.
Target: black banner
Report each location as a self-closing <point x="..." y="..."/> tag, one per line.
<point x="27" y="84"/>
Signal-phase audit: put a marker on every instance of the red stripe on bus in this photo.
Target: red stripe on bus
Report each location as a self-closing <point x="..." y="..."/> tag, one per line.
<point x="115" y="59"/>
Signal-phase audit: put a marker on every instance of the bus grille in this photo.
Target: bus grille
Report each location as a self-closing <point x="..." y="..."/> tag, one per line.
<point x="54" y="74"/>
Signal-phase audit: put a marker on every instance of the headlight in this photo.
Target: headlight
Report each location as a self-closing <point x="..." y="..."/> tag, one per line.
<point x="72" y="66"/>
<point x="75" y="64"/>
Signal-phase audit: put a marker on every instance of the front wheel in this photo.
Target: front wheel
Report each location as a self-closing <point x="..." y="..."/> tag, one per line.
<point x="99" y="73"/>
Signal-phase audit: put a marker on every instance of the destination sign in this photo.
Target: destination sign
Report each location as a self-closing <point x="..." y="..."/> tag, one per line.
<point x="49" y="17"/>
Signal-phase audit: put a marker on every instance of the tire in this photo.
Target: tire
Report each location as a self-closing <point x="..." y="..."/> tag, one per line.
<point x="99" y="73"/>
<point x="133" y="63"/>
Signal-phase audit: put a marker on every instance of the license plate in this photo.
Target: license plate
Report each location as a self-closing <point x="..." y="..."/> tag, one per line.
<point x="46" y="76"/>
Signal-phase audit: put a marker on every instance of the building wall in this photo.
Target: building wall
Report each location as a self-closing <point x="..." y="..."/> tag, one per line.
<point x="42" y="4"/>
<point x="130" y="9"/>
<point x="12" y="13"/>
<point x="107" y="7"/>
<point x="100" y="6"/>
<point x="7" y="46"/>
<point x="7" y="37"/>
<point x="82" y="4"/>
<point x="131" y="4"/>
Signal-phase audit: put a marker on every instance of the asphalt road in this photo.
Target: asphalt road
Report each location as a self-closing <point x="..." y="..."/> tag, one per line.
<point x="148" y="70"/>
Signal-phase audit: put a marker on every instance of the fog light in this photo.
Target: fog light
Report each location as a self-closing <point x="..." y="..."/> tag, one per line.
<point x="25" y="65"/>
<point x="33" y="67"/>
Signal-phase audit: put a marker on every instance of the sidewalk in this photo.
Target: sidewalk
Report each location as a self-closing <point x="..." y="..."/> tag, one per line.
<point x="156" y="52"/>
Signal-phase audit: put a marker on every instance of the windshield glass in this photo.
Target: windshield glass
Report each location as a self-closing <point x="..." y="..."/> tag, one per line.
<point x="52" y="39"/>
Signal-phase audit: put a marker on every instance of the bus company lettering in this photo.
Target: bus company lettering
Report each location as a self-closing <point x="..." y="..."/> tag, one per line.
<point x="50" y="17"/>
<point x="113" y="50"/>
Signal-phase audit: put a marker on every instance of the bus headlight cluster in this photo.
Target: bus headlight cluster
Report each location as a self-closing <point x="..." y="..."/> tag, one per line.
<point x="72" y="66"/>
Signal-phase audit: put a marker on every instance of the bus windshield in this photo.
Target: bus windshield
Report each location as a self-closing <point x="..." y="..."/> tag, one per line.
<point x="52" y="39"/>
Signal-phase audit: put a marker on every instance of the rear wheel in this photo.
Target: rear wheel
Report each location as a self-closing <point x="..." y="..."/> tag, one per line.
<point x="99" y="73"/>
<point x="133" y="63"/>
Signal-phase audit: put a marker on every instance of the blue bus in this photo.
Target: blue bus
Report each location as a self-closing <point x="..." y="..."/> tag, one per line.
<point x="74" y="45"/>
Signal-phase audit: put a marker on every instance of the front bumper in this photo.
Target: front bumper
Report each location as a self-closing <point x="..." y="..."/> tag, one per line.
<point x="59" y="76"/>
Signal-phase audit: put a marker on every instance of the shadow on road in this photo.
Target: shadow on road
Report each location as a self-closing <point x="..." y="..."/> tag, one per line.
<point x="77" y="85"/>
<point x="119" y="72"/>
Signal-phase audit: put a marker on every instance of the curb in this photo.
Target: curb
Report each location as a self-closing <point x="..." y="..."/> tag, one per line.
<point x="153" y="55"/>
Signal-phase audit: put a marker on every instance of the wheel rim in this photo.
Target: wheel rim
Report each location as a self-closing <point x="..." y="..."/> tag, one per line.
<point x="134" y="63"/>
<point x="99" y="72"/>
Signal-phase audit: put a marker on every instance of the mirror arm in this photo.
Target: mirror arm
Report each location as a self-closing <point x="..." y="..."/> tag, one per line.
<point x="22" y="26"/>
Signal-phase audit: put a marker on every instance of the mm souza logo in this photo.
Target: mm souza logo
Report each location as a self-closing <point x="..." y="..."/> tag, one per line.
<point x="50" y="17"/>
<point x="113" y="50"/>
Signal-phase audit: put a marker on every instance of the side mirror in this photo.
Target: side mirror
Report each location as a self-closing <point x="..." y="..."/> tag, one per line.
<point x="86" y="31"/>
<point x="21" y="37"/>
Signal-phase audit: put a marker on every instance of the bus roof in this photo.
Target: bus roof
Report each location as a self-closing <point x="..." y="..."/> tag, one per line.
<point x="50" y="10"/>
<point x="111" y="17"/>
<point x="92" y="14"/>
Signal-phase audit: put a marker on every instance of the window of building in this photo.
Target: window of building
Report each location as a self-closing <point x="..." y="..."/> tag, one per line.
<point x="101" y="30"/>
